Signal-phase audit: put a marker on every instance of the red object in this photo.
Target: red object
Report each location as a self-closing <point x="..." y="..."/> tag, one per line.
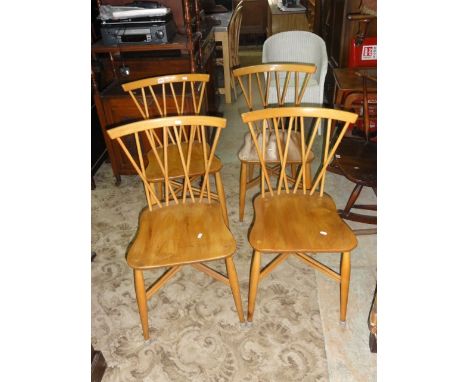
<point x="363" y="55"/>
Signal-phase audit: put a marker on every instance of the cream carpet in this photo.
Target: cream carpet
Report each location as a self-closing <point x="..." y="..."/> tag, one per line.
<point x="195" y="334"/>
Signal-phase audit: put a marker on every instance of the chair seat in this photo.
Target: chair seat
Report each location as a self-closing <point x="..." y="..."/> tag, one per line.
<point x="175" y="169"/>
<point x="248" y="152"/>
<point x="180" y="234"/>
<point x="299" y="223"/>
<point x="357" y="161"/>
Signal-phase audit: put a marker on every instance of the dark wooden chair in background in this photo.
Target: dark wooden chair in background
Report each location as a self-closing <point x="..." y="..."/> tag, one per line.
<point x="188" y="229"/>
<point x="356" y="158"/>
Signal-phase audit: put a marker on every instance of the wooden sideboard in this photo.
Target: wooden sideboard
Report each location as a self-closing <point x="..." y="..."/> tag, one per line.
<point x="193" y="50"/>
<point x="279" y="21"/>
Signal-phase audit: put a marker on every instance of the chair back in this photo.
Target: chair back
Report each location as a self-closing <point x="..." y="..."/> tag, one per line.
<point x="274" y="84"/>
<point x="299" y="47"/>
<point x="183" y="132"/>
<point x="175" y="94"/>
<point x="233" y="35"/>
<point x="281" y="122"/>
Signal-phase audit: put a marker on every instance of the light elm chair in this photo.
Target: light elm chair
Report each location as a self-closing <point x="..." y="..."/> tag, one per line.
<point x="175" y="94"/>
<point x="264" y="86"/>
<point x="189" y="229"/>
<point x="291" y="220"/>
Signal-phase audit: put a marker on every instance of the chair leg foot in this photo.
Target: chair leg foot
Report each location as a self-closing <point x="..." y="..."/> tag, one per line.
<point x="344" y="284"/>
<point x="234" y="283"/>
<point x="142" y="302"/>
<point x="254" y="278"/>
<point x="242" y="190"/>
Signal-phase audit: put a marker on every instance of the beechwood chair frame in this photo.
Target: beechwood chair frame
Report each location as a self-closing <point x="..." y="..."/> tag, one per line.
<point x="255" y="82"/>
<point x="233" y="31"/>
<point x="310" y="239"/>
<point x="144" y="94"/>
<point x="181" y="203"/>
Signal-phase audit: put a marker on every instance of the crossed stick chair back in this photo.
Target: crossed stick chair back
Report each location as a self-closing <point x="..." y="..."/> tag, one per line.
<point x="189" y="228"/>
<point x="291" y="219"/>
<point x="178" y="94"/>
<point x="175" y="94"/>
<point x="271" y="85"/>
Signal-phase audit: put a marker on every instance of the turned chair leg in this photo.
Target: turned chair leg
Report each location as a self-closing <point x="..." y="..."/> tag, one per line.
<point x="250" y="171"/>
<point x="308" y="178"/>
<point x="352" y="200"/>
<point x="344" y="284"/>
<point x="254" y="278"/>
<point x="242" y="190"/>
<point x="140" y="292"/>
<point x="222" y="197"/>
<point x="159" y="190"/>
<point x="293" y="170"/>
<point x="234" y="283"/>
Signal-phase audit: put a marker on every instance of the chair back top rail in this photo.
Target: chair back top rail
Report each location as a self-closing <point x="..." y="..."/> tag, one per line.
<point x="285" y="77"/>
<point x="276" y="121"/>
<point x="186" y="131"/>
<point x="144" y="94"/>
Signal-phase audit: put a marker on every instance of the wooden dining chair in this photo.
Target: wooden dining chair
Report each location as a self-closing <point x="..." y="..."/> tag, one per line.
<point x="177" y="94"/>
<point x="356" y="159"/>
<point x="290" y="219"/>
<point x="290" y="83"/>
<point x="233" y="28"/>
<point x="189" y="229"/>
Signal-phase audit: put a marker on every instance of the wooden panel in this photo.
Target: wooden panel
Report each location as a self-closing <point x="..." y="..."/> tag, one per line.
<point x="254" y="16"/>
<point x="279" y="21"/>
<point x="144" y="67"/>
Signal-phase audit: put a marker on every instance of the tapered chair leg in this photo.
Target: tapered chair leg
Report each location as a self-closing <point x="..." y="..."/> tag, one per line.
<point x="254" y="278"/>
<point x="234" y="283"/>
<point x="159" y="190"/>
<point x="250" y="171"/>
<point x="242" y="190"/>
<point x="293" y="170"/>
<point x="222" y="197"/>
<point x="352" y="200"/>
<point x="344" y="284"/>
<point x="308" y="178"/>
<point x="142" y="302"/>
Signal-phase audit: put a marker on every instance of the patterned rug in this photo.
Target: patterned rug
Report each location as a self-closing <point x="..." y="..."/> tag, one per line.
<point x="195" y="334"/>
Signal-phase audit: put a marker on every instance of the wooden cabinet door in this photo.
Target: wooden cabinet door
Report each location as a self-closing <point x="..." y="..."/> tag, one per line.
<point x="254" y="16"/>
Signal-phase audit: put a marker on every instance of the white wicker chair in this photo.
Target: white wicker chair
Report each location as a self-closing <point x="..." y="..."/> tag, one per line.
<point x="299" y="47"/>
